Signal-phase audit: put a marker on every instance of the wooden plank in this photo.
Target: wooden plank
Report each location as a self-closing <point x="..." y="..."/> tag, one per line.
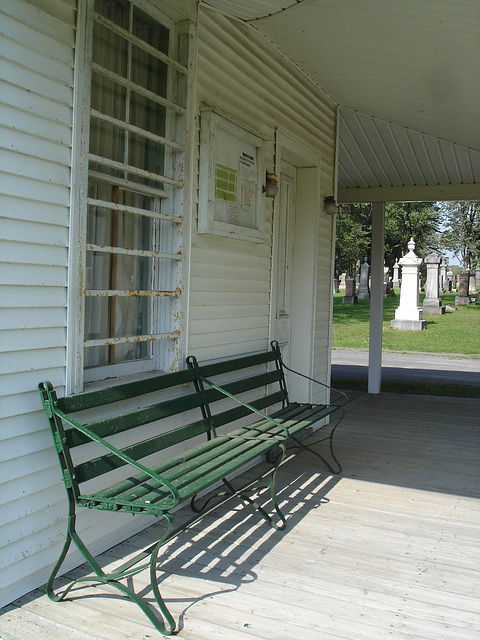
<point x="388" y="549"/>
<point x="121" y="392"/>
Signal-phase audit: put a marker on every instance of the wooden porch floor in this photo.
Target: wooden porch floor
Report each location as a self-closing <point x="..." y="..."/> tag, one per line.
<point x="388" y="549"/>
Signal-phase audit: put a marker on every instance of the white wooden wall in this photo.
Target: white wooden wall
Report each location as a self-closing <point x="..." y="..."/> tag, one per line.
<point x="36" y="116"/>
<point x="35" y="135"/>
<point x="242" y="75"/>
<point x="229" y="303"/>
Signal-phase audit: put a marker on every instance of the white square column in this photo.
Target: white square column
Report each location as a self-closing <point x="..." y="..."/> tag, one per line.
<point x="376" y="298"/>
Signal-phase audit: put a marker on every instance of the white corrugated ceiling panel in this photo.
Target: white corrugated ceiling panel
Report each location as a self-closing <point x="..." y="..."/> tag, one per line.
<point x="374" y="153"/>
<point x="411" y="66"/>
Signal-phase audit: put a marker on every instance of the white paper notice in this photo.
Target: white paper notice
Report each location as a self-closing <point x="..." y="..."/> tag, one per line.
<point x="248" y="199"/>
<point x="248" y="167"/>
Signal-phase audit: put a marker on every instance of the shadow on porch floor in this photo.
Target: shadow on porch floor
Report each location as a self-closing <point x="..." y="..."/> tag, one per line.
<point x="388" y="549"/>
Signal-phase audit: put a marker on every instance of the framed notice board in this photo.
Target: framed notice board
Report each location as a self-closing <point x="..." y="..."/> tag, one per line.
<point x="232" y="173"/>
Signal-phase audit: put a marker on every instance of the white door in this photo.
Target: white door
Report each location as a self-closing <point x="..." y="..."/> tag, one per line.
<point x="284" y="252"/>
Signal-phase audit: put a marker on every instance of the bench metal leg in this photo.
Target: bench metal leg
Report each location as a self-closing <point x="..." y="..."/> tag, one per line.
<point x="337" y="468"/>
<point x="167" y="627"/>
<point x="257" y="507"/>
<point x="241" y="493"/>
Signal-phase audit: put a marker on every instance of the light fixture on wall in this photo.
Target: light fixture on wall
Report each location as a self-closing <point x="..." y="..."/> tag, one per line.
<point x="271" y="187"/>
<point x="330" y="205"/>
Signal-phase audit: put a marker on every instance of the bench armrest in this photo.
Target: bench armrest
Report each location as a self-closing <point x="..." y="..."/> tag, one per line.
<point x="302" y="375"/>
<point x="117" y="452"/>
<point x="251" y="408"/>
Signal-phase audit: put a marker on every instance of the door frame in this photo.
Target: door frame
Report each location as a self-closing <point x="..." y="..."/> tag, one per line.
<point x="305" y="249"/>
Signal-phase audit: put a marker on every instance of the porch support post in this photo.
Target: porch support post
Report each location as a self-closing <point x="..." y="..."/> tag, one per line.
<point x="376" y="298"/>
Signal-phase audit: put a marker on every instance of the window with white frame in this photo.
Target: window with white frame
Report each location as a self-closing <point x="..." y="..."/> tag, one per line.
<point x="132" y="239"/>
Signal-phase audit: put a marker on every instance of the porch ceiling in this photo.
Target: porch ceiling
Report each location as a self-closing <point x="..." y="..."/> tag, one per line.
<point x="406" y="77"/>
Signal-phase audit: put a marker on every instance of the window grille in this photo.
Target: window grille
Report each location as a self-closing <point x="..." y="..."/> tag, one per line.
<point x="133" y="244"/>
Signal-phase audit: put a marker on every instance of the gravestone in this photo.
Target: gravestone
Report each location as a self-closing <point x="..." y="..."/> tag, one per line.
<point x="396" y="267"/>
<point x="363" y="290"/>
<point x="432" y="304"/>
<point x="449" y="281"/>
<point x="472" y="287"/>
<point x="443" y="275"/>
<point x="357" y="271"/>
<point x="336" y="288"/>
<point x="342" y="281"/>
<point x="350" y="297"/>
<point x="409" y="315"/>
<point x="387" y="283"/>
<point x="463" y="299"/>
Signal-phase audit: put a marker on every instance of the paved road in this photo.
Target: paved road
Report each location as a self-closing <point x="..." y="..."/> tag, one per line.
<point x="411" y="367"/>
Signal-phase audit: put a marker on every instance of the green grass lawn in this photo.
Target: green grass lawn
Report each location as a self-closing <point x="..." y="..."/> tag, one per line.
<point x="453" y="332"/>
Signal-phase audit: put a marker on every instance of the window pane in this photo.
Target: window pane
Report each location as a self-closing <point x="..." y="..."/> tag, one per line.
<point x="109" y="50"/>
<point x="107" y="141"/>
<point x="131" y="313"/>
<point x="117" y="11"/>
<point x="149" y="72"/>
<point x="116" y="318"/>
<point x="148" y="115"/>
<point x="147" y="155"/>
<point x="117" y="228"/>
<point x="150" y="31"/>
<point x="120" y="316"/>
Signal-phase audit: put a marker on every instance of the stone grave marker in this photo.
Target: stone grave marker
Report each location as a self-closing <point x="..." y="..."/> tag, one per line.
<point x="432" y="303"/>
<point x="463" y="299"/>
<point x="409" y="315"/>
<point x="363" y="290"/>
<point x="350" y="295"/>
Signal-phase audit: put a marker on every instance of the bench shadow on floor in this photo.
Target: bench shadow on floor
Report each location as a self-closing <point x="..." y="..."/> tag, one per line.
<point x="410" y="462"/>
<point x="220" y="553"/>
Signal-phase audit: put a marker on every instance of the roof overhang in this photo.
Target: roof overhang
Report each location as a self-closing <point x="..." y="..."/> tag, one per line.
<point x="406" y="78"/>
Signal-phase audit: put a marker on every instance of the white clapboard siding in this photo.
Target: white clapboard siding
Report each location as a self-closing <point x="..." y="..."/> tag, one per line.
<point x="238" y="72"/>
<point x="243" y="76"/>
<point x="36" y="72"/>
<point x="36" y="116"/>
<point x="36" y="75"/>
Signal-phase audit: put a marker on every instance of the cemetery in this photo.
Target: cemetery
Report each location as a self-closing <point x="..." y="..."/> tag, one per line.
<point x="419" y="283"/>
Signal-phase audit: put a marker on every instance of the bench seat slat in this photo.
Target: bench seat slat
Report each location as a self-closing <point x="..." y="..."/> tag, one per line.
<point x="308" y="415"/>
<point x="171" y="465"/>
<point x="190" y="485"/>
<point x="215" y="463"/>
<point x="179" y="467"/>
<point x="211" y="461"/>
<point x="171" y="468"/>
<point x="220" y="471"/>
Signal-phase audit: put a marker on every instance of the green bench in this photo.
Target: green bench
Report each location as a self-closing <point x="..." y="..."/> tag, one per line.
<point x="183" y="434"/>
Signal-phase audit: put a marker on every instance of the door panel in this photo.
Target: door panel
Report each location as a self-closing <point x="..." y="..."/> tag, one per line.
<point x="283" y="270"/>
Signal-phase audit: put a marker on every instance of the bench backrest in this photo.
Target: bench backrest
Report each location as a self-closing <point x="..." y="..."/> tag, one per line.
<point x="105" y="414"/>
<point x="173" y="394"/>
<point x="259" y="379"/>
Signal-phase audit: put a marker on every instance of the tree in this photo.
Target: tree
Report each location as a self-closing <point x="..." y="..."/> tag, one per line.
<point x="353" y="236"/>
<point x="405" y="220"/>
<point x="461" y="230"/>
